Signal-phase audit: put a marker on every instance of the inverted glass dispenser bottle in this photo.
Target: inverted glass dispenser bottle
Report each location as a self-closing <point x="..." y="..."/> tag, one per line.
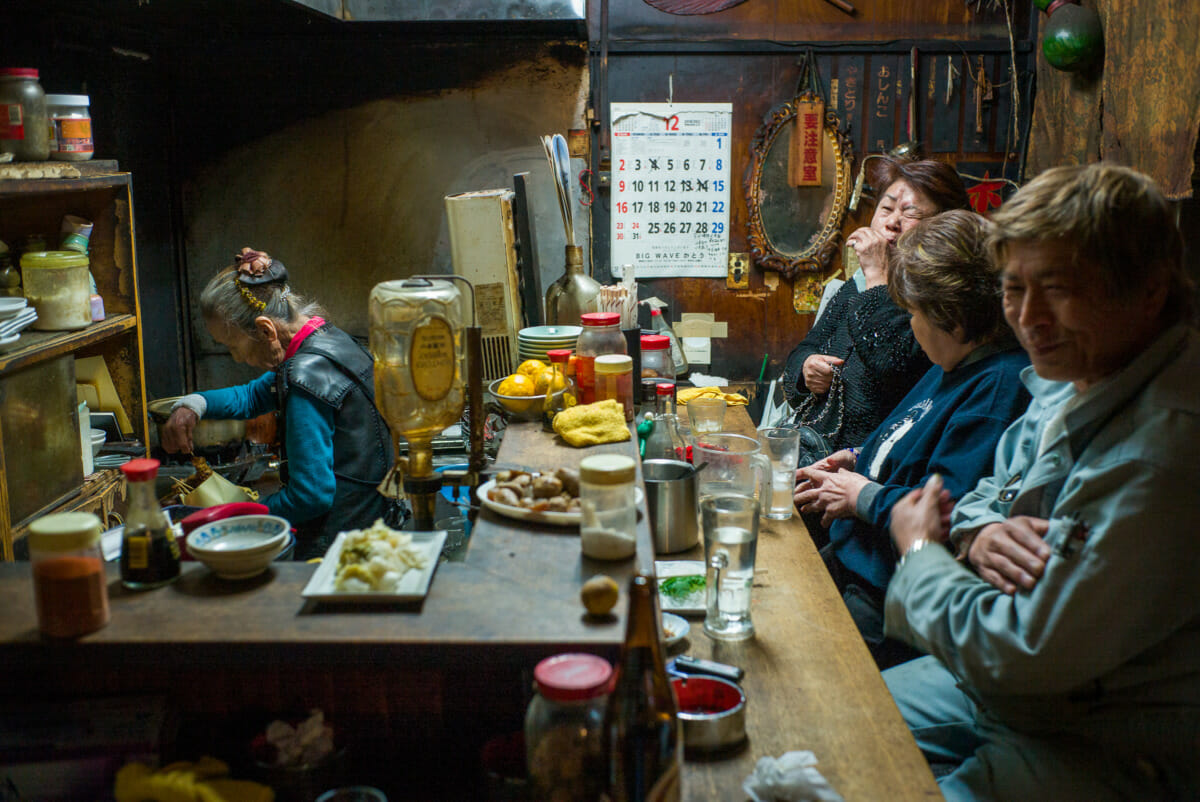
<point x="418" y="340"/>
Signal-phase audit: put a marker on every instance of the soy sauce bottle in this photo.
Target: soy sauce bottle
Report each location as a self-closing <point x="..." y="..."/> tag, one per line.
<point x="642" y="742"/>
<point x="149" y="551"/>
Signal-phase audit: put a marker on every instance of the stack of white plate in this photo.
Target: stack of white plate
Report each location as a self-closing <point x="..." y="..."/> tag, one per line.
<point x="535" y="341"/>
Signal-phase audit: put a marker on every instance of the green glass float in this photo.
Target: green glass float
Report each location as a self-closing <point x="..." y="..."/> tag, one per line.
<point x="1073" y="39"/>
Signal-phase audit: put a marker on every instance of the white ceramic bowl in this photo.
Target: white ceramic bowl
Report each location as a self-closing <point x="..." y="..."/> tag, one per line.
<point x="241" y="547"/>
<point x="98" y="437"/>
<point x="9" y="343"/>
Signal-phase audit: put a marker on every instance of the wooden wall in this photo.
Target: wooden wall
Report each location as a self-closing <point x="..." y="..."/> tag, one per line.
<point x="748" y="55"/>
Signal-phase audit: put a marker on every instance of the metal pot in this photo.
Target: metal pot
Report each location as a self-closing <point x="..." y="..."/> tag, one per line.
<point x="712" y="711"/>
<point x="207" y="434"/>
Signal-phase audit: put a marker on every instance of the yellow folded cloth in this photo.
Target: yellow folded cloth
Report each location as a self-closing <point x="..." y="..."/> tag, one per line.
<point x="206" y="780"/>
<point x="689" y="393"/>
<point x="592" y="424"/>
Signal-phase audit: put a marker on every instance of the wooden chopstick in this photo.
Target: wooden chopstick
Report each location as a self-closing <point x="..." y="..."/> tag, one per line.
<point x="842" y="4"/>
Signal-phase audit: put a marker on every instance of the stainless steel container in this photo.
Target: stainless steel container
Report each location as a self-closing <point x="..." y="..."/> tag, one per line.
<point x="712" y="712"/>
<point x="671" y="503"/>
<point x="208" y="433"/>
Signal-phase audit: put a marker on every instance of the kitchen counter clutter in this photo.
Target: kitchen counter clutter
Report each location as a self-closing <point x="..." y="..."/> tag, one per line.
<point x="419" y="687"/>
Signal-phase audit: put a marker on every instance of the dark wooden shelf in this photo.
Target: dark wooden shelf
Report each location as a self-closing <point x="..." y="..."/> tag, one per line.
<point x="37" y="346"/>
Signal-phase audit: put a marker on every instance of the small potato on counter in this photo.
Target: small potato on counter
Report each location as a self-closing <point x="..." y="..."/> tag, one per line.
<point x="599" y="594"/>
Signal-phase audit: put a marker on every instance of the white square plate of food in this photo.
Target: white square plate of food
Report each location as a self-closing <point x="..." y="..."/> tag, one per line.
<point x="681" y="586"/>
<point x="413" y="586"/>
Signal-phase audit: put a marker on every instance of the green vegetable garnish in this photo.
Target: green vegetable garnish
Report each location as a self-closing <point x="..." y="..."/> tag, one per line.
<point x="680" y="587"/>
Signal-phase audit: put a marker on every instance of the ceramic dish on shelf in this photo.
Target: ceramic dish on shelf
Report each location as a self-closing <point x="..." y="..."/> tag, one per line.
<point x="11" y="307"/>
<point x="414" y="585"/>
<point x="9" y="343"/>
<point x="523" y="514"/>
<point x="675" y="629"/>
<point x="557" y="333"/>
<point x="681" y="586"/>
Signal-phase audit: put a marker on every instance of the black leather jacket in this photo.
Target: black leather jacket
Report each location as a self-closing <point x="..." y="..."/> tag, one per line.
<point x="336" y="370"/>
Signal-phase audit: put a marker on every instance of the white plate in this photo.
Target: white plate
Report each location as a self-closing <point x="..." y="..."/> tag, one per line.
<point x="413" y="586"/>
<point x="549" y="332"/>
<point x="692" y="604"/>
<point x="11" y="307"/>
<point x="522" y="514"/>
<point x="675" y="628"/>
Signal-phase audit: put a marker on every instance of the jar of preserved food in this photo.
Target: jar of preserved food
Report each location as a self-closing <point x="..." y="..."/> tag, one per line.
<point x="69" y="583"/>
<point x="614" y="380"/>
<point x="608" y="507"/>
<point x="562" y="727"/>
<point x="70" y="128"/>
<point x="601" y="335"/>
<point x="657" y="365"/>
<point x="58" y="285"/>
<point x="23" y="120"/>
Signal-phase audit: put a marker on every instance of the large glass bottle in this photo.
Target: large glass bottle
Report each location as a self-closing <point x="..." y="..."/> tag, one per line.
<point x="416" y="337"/>
<point x="665" y="440"/>
<point x="659" y="324"/>
<point x="573" y="293"/>
<point x="149" y="551"/>
<point x="642" y="743"/>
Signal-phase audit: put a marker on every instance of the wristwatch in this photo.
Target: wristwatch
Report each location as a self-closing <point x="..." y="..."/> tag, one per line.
<point x="916" y="546"/>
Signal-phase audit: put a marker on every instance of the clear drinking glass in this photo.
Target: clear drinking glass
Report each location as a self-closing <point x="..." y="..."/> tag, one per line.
<point x="730" y="525"/>
<point x="782" y="446"/>
<point x="706" y="415"/>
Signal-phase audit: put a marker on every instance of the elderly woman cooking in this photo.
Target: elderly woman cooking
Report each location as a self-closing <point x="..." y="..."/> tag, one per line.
<point x="336" y="448"/>
<point x="948" y="424"/>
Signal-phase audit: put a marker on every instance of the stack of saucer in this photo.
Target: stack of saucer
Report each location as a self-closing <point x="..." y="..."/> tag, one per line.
<point x="535" y="341"/>
<point x="15" y="315"/>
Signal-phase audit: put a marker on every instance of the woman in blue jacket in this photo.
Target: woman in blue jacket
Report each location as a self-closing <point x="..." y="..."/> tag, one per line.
<point x="948" y="424"/>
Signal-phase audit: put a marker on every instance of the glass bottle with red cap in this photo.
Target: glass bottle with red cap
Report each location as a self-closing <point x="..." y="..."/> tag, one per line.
<point x="149" y="551"/>
<point x="561" y="393"/>
<point x="657" y="366"/>
<point x="601" y="335"/>
<point x="563" y="724"/>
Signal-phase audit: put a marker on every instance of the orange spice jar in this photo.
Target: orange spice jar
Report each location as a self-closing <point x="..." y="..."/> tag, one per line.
<point x="70" y="584"/>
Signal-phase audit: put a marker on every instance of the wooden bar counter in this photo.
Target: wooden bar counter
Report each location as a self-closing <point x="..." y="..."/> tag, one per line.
<point x="426" y="684"/>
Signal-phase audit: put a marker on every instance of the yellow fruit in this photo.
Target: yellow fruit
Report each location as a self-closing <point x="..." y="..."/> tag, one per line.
<point x="599" y="594"/>
<point x="532" y="367"/>
<point x="546" y="380"/>
<point x="517" y="384"/>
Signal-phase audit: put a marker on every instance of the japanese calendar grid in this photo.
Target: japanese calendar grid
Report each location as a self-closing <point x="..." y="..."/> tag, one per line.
<point x="670" y="188"/>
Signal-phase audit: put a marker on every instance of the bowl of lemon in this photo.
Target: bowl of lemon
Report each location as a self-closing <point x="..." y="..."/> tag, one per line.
<point x="523" y="394"/>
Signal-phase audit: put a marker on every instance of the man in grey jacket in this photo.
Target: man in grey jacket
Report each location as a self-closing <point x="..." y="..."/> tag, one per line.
<point x="1064" y="642"/>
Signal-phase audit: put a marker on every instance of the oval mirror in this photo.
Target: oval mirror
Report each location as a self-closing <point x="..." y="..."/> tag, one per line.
<point x="794" y="229"/>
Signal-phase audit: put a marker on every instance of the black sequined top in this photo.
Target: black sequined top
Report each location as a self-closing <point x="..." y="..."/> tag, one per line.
<point x="883" y="362"/>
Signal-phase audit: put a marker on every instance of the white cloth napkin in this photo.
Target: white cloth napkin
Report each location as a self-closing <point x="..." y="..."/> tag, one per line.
<point x="790" y="778"/>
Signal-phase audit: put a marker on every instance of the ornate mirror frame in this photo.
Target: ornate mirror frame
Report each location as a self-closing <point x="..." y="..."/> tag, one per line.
<point x="817" y="256"/>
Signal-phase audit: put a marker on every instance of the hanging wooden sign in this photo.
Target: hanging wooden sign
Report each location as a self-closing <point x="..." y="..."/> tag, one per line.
<point x="804" y="156"/>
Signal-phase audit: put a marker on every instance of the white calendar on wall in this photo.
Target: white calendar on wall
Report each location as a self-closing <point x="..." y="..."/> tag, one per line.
<point x="670" y="188"/>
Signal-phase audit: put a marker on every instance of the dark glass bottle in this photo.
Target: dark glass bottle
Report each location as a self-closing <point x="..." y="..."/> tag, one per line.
<point x="642" y="742"/>
<point x="149" y="551"/>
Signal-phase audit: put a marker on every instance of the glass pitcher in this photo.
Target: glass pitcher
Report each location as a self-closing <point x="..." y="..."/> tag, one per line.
<point x="735" y="466"/>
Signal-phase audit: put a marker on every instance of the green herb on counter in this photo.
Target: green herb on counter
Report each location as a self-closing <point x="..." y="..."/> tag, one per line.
<point x="680" y="587"/>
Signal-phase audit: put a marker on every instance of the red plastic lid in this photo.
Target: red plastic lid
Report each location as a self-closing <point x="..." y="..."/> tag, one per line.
<point x="140" y="470"/>
<point x="20" y="72"/>
<point x="655" y="342"/>
<point x="559" y="354"/>
<point x="600" y="318"/>
<point x="663" y="388"/>
<point x="572" y="677"/>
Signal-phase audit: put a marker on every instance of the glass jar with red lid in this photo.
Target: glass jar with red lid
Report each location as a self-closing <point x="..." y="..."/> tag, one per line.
<point x="562" y="726"/>
<point x="601" y="335"/>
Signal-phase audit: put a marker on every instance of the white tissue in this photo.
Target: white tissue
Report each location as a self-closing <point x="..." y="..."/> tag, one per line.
<point x="791" y="777"/>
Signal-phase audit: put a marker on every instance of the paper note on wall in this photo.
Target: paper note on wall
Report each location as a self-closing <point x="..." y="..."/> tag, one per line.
<point x="670" y="188"/>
